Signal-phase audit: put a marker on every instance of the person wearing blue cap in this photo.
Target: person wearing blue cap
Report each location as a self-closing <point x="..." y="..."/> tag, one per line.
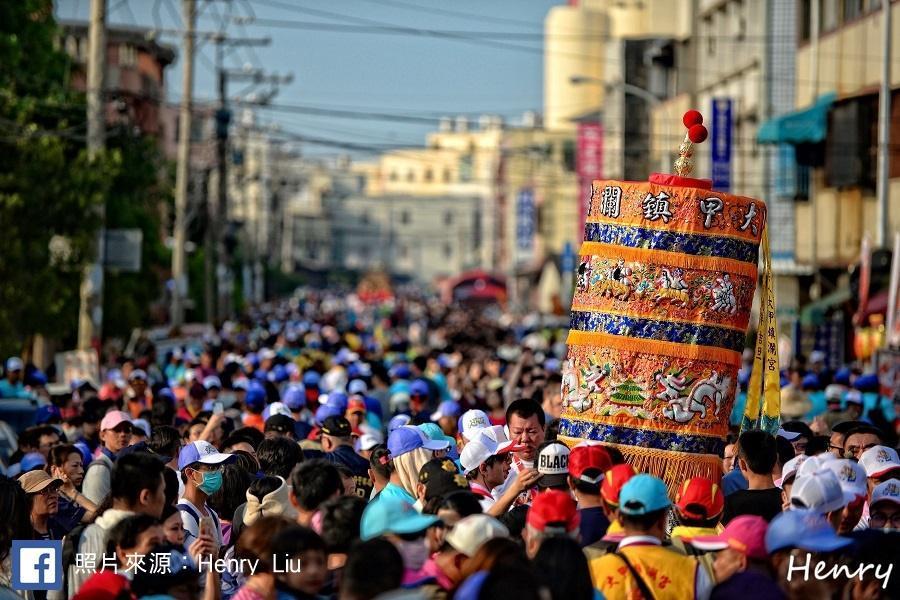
<point x="254" y="403"/>
<point x="408" y="451"/>
<point x="807" y="531"/>
<point x="398" y="522"/>
<point x="200" y="464"/>
<point x="641" y="566"/>
<point x="447" y="417"/>
<point x="294" y="397"/>
<point x="418" y="401"/>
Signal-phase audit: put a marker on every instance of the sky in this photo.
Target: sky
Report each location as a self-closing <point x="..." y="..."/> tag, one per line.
<point x="422" y="58"/>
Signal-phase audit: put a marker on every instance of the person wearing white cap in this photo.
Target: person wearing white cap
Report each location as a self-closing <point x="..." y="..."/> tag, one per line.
<point x="486" y="462"/>
<point x="884" y="509"/>
<point x="12" y="386"/>
<point x="462" y="543"/>
<point x="115" y="434"/>
<point x="852" y="478"/>
<point x="470" y="423"/>
<point x="213" y="386"/>
<point x="204" y="460"/>
<point x="788" y="476"/>
<point x="821" y="492"/>
<point x="881" y="463"/>
<point x="137" y="395"/>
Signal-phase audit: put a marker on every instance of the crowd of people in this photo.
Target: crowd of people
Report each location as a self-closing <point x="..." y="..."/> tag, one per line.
<point x="323" y="448"/>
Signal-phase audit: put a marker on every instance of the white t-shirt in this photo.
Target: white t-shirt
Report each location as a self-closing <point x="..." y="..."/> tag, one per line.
<point x="189" y="519"/>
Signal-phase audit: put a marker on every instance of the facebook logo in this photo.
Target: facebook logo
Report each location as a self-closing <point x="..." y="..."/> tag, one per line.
<point x="37" y="564"/>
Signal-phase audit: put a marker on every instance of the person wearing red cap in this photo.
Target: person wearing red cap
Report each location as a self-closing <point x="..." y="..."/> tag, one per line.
<point x="587" y="464"/>
<point x="698" y="508"/>
<point x="553" y="512"/>
<point x="612" y="483"/>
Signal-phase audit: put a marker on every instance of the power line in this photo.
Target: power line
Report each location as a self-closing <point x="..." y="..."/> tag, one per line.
<point x="451" y="13"/>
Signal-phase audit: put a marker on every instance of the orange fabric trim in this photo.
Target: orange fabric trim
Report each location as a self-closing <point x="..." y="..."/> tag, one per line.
<point x="643" y="346"/>
<point x="675" y="259"/>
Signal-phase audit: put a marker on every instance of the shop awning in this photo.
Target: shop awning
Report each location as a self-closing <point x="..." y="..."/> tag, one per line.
<point x="807" y="126"/>
<point x="814" y="312"/>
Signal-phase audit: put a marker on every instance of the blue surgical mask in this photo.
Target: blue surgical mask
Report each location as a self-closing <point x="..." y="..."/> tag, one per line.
<point x="212" y="482"/>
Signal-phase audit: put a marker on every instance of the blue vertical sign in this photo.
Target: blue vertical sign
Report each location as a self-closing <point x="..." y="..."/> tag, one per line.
<point x="525" y="225"/>
<point x="721" y="143"/>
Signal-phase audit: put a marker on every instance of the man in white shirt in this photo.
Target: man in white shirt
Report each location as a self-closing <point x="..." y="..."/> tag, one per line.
<point x="525" y="421"/>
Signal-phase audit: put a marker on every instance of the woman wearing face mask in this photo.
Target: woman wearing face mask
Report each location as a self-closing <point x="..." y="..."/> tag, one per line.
<point x="399" y="523"/>
<point x="201" y="470"/>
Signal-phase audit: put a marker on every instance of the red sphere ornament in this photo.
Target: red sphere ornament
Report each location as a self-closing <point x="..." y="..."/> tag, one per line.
<point x="691" y="118"/>
<point x="697" y="134"/>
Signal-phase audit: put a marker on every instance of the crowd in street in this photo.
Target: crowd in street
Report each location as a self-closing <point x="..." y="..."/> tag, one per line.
<point x="325" y="448"/>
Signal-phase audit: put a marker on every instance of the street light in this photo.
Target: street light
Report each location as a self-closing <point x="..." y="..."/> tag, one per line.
<point x="651" y="99"/>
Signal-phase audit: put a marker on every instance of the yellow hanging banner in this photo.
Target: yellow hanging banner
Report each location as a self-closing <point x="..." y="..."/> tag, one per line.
<point x="763" y="408"/>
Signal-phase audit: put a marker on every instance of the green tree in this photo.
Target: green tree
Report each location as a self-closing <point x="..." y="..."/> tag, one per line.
<point x="49" y="189"/>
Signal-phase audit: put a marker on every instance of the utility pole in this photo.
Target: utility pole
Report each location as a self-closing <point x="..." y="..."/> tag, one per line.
<point x="90" y="312"/>
<point x="182" y="174"/>
<point x="218" y="224"/>
<point x="884" y="134"/>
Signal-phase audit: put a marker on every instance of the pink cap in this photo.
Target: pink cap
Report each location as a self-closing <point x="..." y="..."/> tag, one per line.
<point x="746" y="534"/>
<point x="114" y="418"/>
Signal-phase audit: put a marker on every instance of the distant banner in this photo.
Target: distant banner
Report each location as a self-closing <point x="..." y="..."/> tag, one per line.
<point x="77" y="365"/>
<point x="721" y="144"/>
<point x="888" y="368"/>
<point x="526" y="225"/>
<point x="589" y="165"/>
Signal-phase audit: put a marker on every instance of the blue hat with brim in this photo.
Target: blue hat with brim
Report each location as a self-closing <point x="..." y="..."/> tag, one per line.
<point x="32" y="460"/>
<point x="393" y="515"/>
<point x="643" y="494"/>
<point x="803" y="529"/>
<point x="408" y="438"/>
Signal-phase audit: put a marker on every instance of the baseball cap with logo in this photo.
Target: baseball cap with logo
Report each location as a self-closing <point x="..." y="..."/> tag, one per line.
<point x="553" y="464"/>
<point x="471" y="421"/>
<point x="553" y="511"/>
<point x="879" y="460"/>
<point x="744" y="533"/>
<point x="789" y="470"/>
<point x="804" y="529"/>
<point x="613" y="480"/>
<point x="441" y="477"/>
<point x="203" y="453"/>
<point x="472" y="532"/>
<point x="408" y="438"/>
<point x="643" y="494"/>
<point x="491" y="441"/>
<point x="588" y="463"/>
<point x="337" y="426"/>
<point x="850" y="474"/>
<point x="820" y="492"/>
<point x="700" y="498"/>
<point x="886" y="491"/>
<point x="113" y="419"/>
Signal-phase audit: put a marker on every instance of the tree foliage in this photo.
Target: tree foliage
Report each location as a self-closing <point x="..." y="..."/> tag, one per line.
<point x="49" y="189"/>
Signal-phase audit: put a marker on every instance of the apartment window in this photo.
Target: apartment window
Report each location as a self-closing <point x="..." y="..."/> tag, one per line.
<point x="852" y="9"/>
<point x="710" y="35"/>
<point x="448" y="251"/>
<point x="829" y="16"/>
<point x="393" y="176"/>
<point x="405" y="218"/>
<point x="429" y="175"/>
<point x="127" y="55"/>
<point x="447" y="175"/>
<point x="411" y="176"/>
<point x="448" y="218"/>
<point x="804" y="18"/>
